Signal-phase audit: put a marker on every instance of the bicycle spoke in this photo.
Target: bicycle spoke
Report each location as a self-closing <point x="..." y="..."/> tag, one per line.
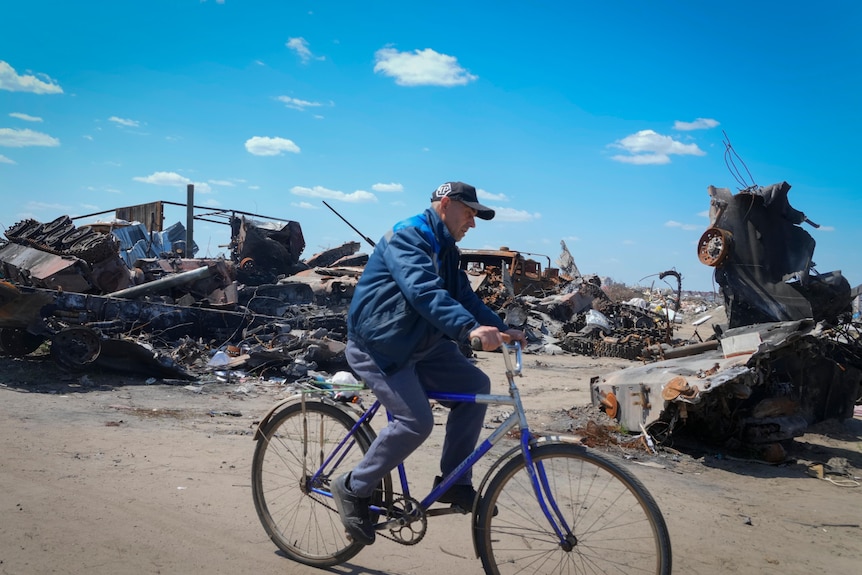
<point x="616" y="526"/>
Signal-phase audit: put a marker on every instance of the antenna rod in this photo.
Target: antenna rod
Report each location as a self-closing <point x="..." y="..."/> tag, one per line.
<point x="364" y="237"/>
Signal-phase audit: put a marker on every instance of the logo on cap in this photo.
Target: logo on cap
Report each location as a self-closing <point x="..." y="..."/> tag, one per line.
<point x="443" y="190"/>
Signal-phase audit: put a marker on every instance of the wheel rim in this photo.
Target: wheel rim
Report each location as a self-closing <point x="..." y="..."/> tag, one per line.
<point x="615" y="524"/>
<point x="714" y="247"/>
<point x="305" y="525"/>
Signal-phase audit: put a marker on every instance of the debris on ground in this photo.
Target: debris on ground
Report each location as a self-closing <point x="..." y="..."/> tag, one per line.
<point x="128" y="295"/>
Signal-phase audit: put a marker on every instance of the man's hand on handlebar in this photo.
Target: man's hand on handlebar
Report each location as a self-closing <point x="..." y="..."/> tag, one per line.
<point x="489" y="338"/>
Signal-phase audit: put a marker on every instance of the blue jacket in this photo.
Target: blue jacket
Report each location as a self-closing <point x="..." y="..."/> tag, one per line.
<point x="412" y="293"/>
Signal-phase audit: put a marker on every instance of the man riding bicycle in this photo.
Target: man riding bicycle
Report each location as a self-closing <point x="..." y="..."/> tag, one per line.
<point x="410" y="310"/>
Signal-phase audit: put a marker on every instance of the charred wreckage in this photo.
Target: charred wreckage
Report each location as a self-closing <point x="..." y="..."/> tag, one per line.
<point x="789" y="355"/>
<point x="130" y="296"/>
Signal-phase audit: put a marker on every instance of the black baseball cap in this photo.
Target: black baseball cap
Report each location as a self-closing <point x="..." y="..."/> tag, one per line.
<point x="464" y="193"/>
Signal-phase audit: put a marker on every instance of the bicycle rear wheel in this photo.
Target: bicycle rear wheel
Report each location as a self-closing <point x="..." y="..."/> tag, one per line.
<point x="303" y="524"/>
<point x="616" y="524"/>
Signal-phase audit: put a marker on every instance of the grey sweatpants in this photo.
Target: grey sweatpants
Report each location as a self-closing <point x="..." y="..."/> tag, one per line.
<point x="441" y="368"/>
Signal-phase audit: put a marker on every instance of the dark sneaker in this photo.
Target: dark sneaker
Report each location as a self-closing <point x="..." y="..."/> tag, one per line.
<point x="461" y="496"/>
<point x="354" y="511"/>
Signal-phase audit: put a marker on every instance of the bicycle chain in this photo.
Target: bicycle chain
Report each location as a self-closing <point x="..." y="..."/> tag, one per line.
<point x="398" y="497"/>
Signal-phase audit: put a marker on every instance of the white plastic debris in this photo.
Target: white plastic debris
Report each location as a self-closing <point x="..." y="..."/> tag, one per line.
<point x="218" y="359"/>
<point x="344" y="378"/>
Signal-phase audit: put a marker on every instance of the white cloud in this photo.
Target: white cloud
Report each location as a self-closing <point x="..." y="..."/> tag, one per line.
<point x="357" y="197"/>
<point x="11" y="81"/>
<point x="23" y="138"/>
<point x="265" y="146"/>
<point x="172" y="179"/>
<point x="650" y="147"/>
<point x="164" y="179"/>
<point x="393" y="187"/>
<point x="25" y="117"/>
<point x="484" y="195"/>
<point x="421" y="68"/>
<point x="698" y="124"/>
<point x="296" y="103"/>
<point x="5" y="160"/>
<point x="513" y="215"/>
<point x="227" y="183"/>
<point x="124" y="122"/>
<point x="300" y="46"/>
<point x="688" y="227"/>
<point x="304" y="206"/>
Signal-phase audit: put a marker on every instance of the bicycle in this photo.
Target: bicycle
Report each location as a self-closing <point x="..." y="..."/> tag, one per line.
<point x="547" y="505"/>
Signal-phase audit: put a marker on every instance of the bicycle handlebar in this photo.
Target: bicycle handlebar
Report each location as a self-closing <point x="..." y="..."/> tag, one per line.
<point x="476" y="343"/>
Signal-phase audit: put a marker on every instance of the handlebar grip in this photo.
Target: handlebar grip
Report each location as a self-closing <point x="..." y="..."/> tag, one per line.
<point x="476" y="343"/>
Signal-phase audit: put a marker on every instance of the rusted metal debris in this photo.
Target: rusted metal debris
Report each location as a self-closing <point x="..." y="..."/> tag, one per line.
<point x="763" y="260"/>
<point x="81" y="288"/>
<point x="129" y="299"/>
<point x="789" y="356"/>
<point x="134" y="322"/>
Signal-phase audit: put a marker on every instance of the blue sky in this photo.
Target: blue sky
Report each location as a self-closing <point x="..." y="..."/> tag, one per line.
<point x="597" y="123"/>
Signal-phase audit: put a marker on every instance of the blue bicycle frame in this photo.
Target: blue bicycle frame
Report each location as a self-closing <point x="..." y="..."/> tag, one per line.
<point x="517" y="419"/>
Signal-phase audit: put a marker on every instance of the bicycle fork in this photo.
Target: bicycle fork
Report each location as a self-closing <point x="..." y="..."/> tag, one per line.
<point x="545" y="497"/>
<point x="535" y="470"/>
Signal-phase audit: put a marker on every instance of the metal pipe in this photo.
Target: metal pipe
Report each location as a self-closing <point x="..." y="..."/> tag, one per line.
<point x="190" y="220"/>
<point x="156" y="286"/>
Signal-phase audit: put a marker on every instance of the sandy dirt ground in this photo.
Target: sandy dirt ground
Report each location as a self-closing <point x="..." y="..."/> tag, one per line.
<point x="106" y="474"/>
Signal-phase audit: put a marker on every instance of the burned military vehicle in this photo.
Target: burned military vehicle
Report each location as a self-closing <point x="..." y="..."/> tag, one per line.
<point x="789" y="356"/>
<point x="763" y="260"/>
<point x="507" y="273"/>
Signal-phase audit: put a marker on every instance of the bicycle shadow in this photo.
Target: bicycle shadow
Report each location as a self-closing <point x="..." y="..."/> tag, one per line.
<point x="348" y="568"/>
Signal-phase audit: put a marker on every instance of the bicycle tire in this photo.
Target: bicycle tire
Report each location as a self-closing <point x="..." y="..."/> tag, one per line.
<point x="616" y="522"/>
<point x="303" y="524"/>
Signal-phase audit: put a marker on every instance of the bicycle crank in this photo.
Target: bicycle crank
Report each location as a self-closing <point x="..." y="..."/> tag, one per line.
<point x="406" y="521"/>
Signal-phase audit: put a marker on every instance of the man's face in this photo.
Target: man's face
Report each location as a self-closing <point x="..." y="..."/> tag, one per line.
<point x="458" y="217"/>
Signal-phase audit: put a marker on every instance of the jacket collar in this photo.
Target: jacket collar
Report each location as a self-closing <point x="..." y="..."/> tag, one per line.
<point x="440" y="230"/>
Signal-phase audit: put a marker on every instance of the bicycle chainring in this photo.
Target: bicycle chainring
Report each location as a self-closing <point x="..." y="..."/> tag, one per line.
<point x="409" y="522"/>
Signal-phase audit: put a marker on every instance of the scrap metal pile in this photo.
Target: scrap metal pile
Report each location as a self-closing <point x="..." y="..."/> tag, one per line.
<point x="166" y="315"/>
<point x="101" y="295"/>
<point x="561" y="310"/>
<point x="128" y="298"/>
<point x="789" y="356"/>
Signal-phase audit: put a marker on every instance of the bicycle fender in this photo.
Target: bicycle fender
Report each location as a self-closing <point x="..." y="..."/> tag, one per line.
<point x="258" y="434"/>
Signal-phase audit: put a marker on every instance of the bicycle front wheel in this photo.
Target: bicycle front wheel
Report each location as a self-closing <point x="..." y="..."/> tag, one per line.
<point x="294" y="445"/>
<point x="615" y="524"/>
